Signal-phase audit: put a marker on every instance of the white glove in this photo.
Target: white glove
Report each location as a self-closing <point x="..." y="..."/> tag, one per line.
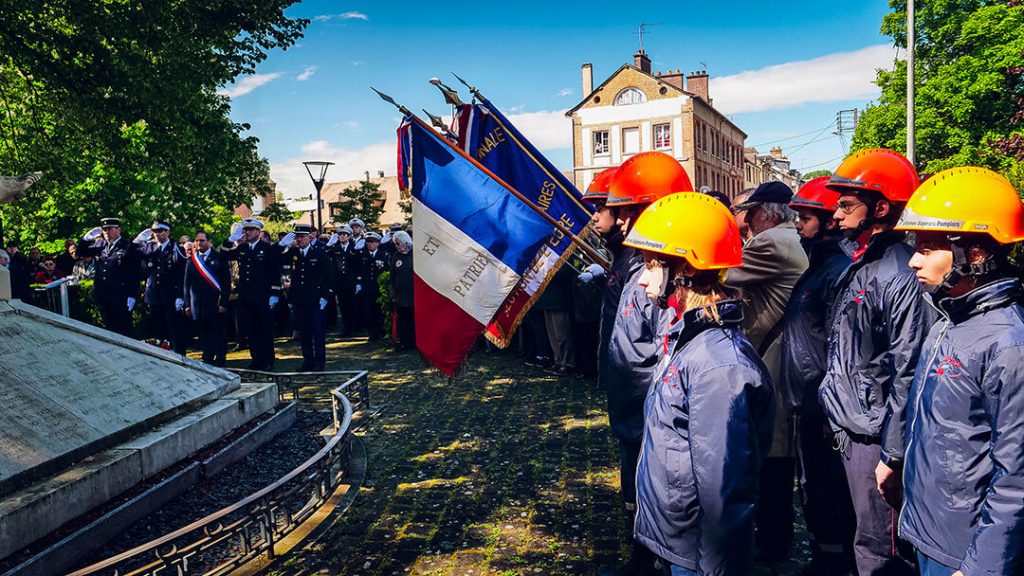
<point x="586" y="277"/>
<point x="288" y="239"/>
<point x="131" y="303"/>
<point x="596" y="270"/>
<point x="333" y="240"/>
<point x="323" y="303"/>
<point x="93" y="234"/>
<point x="179" y="303"/>
<point x="143" y="237"/>
<point x="236" y="232"/>
<point x="273" y="301"/>
<point x="358" y="288"/>
<point x="386" y="238"/>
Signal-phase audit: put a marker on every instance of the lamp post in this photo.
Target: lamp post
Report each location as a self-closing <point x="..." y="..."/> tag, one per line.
<point x="317" y="172"/>
<point x="911" y="136"/>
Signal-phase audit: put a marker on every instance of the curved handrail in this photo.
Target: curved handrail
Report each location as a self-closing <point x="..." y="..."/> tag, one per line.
<point x="343" y="423"/>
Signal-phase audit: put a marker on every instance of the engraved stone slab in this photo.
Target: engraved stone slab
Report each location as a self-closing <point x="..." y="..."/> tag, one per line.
<point x="68" y="390"/>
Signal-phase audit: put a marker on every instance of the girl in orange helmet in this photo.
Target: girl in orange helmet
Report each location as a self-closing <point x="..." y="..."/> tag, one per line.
<point x="708" y="415"/>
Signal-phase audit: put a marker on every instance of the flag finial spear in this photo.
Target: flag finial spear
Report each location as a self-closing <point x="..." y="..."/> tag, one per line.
<point x="438" y="123"/>
<point x="472" y="89"/>
<point x="450" y="95"/>
<point x="391" y="101"/>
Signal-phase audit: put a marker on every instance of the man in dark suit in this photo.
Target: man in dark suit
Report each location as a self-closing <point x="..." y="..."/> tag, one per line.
<point x="346" y="268"/>
<point x="258" y="289"/>
<point x="116" y="277"/>
<point x="163" y="264"/>
<point x="373" y="263"/>
<point x="206" y="291"/>
<point x="308" y="294"/>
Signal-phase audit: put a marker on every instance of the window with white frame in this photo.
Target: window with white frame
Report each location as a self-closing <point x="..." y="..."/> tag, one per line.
<point x="630" y="96"/>
<point x="601" y="143"/>
<point x="630" y="141"/>
<point x="662" y="136"/>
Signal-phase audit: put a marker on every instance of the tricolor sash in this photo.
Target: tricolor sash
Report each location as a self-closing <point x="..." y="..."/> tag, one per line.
<point x="205" y="271"/>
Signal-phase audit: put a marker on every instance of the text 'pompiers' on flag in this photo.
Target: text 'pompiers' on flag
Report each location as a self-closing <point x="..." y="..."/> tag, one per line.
<point x="487" y="135"/>
<point x="473" y="241"/>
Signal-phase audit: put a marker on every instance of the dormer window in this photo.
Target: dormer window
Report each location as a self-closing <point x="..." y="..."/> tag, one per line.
<point x="630" y="96"/>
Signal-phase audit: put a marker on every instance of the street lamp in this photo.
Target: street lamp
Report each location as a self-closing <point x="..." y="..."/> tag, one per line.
<point x="317" y="172"/>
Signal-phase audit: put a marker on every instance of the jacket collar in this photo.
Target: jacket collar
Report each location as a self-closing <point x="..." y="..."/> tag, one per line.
<point x="824" y="249"/>
<point x="698" y="320"/>
<point x="881" y="242"/>
<point x="982" y="299"/>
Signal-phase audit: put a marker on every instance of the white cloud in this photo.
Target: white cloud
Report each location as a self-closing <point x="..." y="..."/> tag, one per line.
<point x="344" y="16"/>
<point x="349" y="164"/>
<point x="546" y="130"/>
<point x="307" y="73"/>
<point x="564" y="92"/>
<point x="247" y="84"/>
<point x="831" y="78"/>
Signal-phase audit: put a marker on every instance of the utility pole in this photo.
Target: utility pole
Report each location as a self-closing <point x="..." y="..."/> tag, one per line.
<point x="910" y="83"/>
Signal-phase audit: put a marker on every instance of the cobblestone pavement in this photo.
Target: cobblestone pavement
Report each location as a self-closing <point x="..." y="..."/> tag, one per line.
<point x="505" y="470"/>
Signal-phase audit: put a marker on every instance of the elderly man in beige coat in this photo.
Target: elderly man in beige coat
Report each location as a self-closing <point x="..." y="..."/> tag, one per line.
<point x="773" y="261"/>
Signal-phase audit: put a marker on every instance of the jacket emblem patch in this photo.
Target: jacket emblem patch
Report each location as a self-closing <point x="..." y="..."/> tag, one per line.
<point x="949" y="366"/>
<point x="860" y="296"/>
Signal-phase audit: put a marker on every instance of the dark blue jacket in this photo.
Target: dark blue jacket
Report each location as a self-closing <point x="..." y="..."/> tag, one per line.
<point x="964" y="471"/>
<point x="635" y="345"/>
<point x="804" y="330"/>
<point x="164" y="270"/>
<point x="708" y="428"/>
<point x="259" y="271"/>
<point x="878" y="322"/>
<point x="117" y="268"/>
<point x="624" y="262"/>
<point x="312" y="275"/>
<point x="203" y="299"/>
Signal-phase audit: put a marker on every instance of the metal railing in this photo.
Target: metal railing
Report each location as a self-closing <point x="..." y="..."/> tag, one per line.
<point x="54" y="296"/>
<point x="249" y="528"/>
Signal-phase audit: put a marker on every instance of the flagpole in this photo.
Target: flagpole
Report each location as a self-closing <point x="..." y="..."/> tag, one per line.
<point x="596" y="256"/>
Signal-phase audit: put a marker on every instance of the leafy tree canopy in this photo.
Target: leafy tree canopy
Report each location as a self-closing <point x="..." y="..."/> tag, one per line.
<point x="363" y="201"/>
<point x="969" y="87"/>
<point x="116" y="101"/>
<point x="816" y="173"/>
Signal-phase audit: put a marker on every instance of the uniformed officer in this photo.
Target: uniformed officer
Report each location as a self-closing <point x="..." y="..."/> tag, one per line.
<point x="358" y="229"/>
<point x="258" y="289"/>
<point x="207" y="289"/>
<point x="372" y="263"/>
<point x="163" y="265"/>
<point x="346" y="268"/>
<point x="116" y="274"/>
<point x="308" y="295"/>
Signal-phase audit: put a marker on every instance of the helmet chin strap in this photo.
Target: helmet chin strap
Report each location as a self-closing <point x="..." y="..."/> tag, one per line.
<point x="963" y="268"/>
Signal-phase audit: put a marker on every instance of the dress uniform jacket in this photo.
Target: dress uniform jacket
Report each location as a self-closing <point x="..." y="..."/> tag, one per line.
<point x="371" y="266"/>
<point x="259" y="271"/>
<point x="346" y="267"/>
<point x="164" y="268"/>
<point x="312" y="275"/>
<point x="117" y="269"/>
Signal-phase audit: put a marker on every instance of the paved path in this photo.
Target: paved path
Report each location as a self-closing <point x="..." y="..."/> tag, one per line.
<point x="504" y="471"/>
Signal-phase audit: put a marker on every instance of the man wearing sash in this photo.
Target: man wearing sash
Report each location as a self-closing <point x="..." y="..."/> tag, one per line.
<point x="207" y="287"/>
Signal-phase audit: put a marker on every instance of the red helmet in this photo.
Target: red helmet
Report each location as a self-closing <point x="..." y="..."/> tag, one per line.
<point x="879" y="170"/>
<point x="647" y="177"/>
<point x="598" y="189"/>
<point x="815" y="195"/>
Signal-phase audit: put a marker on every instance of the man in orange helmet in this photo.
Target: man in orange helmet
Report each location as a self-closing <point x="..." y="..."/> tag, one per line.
<point x="876" y="325"/>
<point x="824" y="493"/>
<point x="964" y="464"/>
<point x="634" y="342"/>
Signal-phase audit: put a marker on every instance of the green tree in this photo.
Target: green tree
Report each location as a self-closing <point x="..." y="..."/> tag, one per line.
<point x="363" y="201"/>
<point x="969" y="87"/>
<point x="815" y="173"/>
<point x="117" y="101"/>
<point x="278" y="212"/>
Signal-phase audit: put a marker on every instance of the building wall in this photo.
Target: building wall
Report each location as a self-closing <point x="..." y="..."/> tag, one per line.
<point x="388" y="187"/>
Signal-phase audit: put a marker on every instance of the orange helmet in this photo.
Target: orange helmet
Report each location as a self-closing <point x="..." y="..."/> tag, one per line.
<point x="966" y="200"/>
<point x="598" y="189"/>
<point x="690" y="225"/>
<point x="815" y="195"/>
<point x="879" y="170"/>
<point x="646" y="177"/>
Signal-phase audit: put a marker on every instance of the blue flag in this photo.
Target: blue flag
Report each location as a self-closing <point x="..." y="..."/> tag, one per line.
<point x="488" y="136"/>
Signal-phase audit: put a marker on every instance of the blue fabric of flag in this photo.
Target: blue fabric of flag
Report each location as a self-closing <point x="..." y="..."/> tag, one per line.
<point x="470" y="200"/>
<point x="497" y="144"/>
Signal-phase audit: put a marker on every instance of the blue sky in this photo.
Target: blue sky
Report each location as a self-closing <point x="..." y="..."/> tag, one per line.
<point x="780" y="70"/>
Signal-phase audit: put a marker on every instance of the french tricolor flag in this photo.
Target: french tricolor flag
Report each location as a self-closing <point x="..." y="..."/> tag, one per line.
<point x="472" y="242"/>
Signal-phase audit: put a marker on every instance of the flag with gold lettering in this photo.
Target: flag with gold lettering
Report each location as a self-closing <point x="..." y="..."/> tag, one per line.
<point x="473" y="241"/>
<point x="488" y="136"/>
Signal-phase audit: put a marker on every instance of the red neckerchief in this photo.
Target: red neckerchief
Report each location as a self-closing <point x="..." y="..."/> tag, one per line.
<point x="862" y="244"/>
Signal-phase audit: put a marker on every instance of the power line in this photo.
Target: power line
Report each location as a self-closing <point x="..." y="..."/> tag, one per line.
<point x="792" y="137"/>
<point x="812" y="140"/>
<point x="836" y="159"/>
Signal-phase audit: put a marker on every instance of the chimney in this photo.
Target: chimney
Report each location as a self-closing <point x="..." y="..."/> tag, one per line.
<point x="673" y="78"/>
<point x="380" y="173"/>
<point x="697" y="83"/>
<point x="776" y="152"/>
<point x="588" y="79"/>
<point x="641" y="61"/>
